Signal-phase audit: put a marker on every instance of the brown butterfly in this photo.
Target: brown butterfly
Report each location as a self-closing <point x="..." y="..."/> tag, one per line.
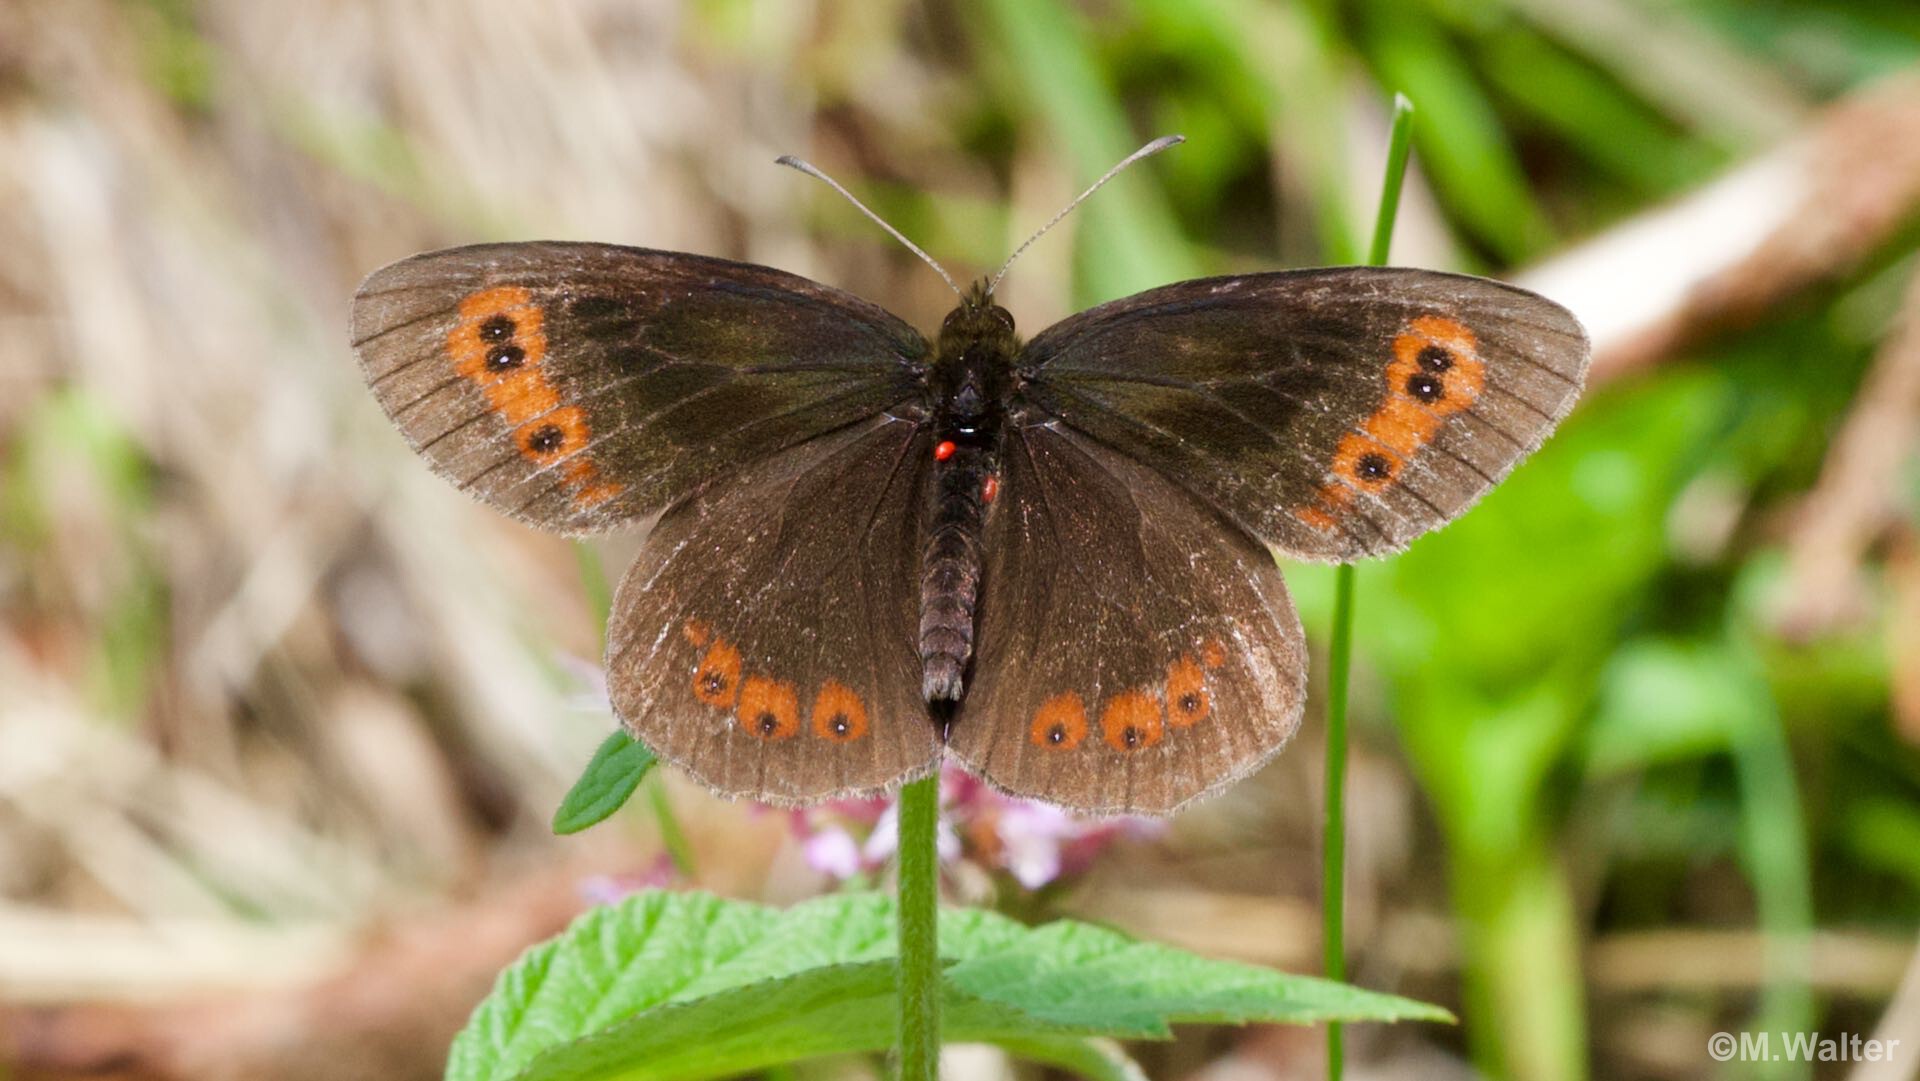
<point x="1051" y="559"/>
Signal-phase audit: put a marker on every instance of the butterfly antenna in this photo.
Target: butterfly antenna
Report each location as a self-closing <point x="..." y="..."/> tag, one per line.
<point x="1146" y="151"/>
<point x="811" y="170"/>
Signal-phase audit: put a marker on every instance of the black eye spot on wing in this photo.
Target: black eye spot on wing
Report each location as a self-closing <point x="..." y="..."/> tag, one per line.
<point x="546" y="440"/>
<point x="1425" y="387"/>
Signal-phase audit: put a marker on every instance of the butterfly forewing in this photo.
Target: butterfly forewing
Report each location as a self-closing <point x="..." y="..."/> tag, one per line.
<point x="579" y="386"/>
<point x="764" y="638"/>
<point x="1136" y="650"/>
<point x="1334" y="413"/>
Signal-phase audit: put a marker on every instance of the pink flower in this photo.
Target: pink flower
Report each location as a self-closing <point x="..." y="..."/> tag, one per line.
<point x="885" y="840"/>
<point x="1031" y="836"/>
<point x="608" y="889"/>
<point x="833" y="852"/>
<point x="1034" y="843"/>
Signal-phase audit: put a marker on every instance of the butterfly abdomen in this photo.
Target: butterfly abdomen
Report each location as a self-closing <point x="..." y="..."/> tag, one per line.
<point x="950" y="573"/>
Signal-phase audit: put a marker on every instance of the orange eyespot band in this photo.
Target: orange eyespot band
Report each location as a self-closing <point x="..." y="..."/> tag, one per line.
<point x="1060" y="723"/>
<point x="1131" y="721"/>
<point x="500" y="344"/>
<point x="838" y="713"/>
<point x="1436" y="371"/>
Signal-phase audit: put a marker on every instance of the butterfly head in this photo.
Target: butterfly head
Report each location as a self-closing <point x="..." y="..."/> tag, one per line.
<point x="978" y="321"/>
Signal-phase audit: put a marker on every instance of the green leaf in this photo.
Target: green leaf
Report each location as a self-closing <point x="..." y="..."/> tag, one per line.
<point x="688" y="985"/>
<point x="610" y="778"/>
<point x="820" y="1011"/>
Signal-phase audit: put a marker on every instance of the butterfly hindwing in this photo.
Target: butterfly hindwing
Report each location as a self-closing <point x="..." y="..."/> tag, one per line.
<point x="764" y="639"/>
<point x="1136" y="651"/>
<point x="1334" y="413"/>
<point x="582" y="386"/>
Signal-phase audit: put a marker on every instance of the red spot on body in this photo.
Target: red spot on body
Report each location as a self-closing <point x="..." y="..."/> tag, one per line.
<point x="1188" y="702"/>
<point x="769" y="708"/>
<point x="944" y="449"/>
<point x="989" y="488"/>
<point x="838" y="713"/>
<point x="1060" y="723"/>
<point x="1131" y="721"/>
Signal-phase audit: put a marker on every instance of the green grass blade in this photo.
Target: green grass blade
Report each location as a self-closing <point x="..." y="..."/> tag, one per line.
<point x="1333" y="898"/>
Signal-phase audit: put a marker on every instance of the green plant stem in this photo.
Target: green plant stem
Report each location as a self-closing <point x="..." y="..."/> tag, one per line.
<point x="671" y="836"/>
<point x="1333" y="844"/>
<point x="919" y="931"/>
<point x="1333" y="880"/>
<point x="1773" y="846"/>
<point x="593" y="582"/>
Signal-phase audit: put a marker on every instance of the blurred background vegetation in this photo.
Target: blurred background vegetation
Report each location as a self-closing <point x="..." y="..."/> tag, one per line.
<point x="282" y="717"/>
